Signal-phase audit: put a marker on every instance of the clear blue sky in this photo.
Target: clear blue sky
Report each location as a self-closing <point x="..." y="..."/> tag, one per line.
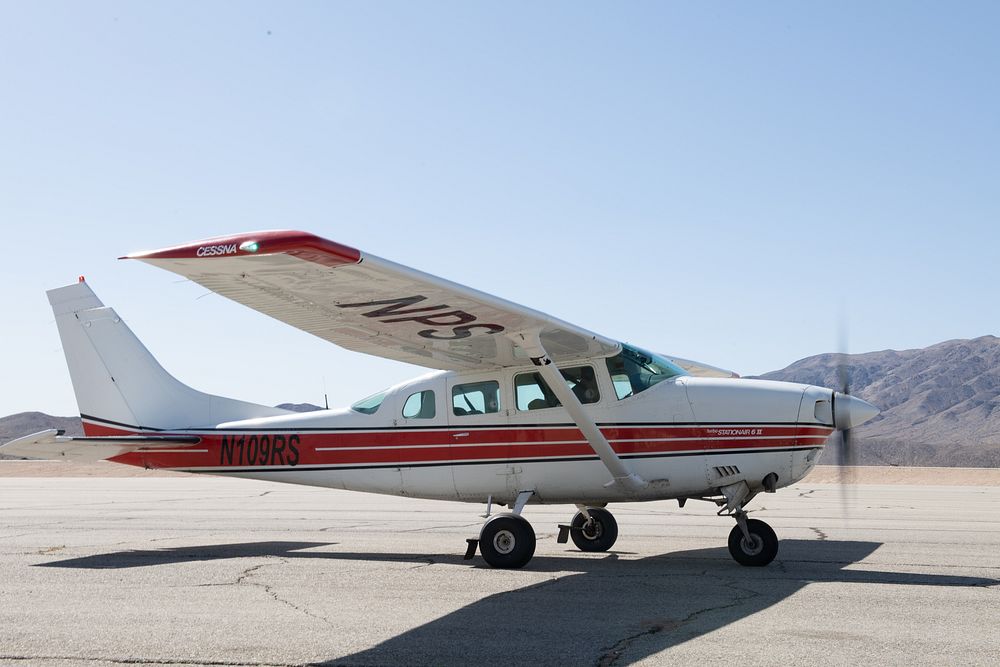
<point x="720" y="181"/>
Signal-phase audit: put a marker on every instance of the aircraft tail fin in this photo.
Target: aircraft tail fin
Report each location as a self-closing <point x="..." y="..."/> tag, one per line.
<point x="119" y="385"/>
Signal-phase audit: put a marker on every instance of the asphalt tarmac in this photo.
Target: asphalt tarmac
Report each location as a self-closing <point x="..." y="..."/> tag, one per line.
<point x="198" y="570"/>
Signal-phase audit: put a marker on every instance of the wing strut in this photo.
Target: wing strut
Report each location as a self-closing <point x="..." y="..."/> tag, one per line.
<point x="620" y="472"/>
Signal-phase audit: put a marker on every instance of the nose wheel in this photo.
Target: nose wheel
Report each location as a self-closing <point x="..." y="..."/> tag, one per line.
<point x="752" y="542"/>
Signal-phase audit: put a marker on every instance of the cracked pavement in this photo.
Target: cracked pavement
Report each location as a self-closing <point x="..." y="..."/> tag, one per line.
<point x="197" y="570"/>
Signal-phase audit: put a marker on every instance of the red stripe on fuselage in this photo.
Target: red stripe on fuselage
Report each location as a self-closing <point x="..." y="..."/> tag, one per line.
<point x="404" y="446"/>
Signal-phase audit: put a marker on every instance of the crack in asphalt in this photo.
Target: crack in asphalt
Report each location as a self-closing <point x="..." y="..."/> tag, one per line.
<point x="611" y="654"/>
<point x="819" y="533"/>
<point x="244" y="579"/>
<point x="347" y="527"/>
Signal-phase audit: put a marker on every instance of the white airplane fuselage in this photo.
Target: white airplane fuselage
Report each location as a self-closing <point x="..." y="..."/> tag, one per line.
<point x="687" y="436"/>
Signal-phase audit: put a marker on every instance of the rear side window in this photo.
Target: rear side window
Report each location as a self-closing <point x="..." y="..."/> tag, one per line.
<point x="419" y="405"/>
<point x="534" y="394"/>
<point x="370" y="405"/>
<point x="476" y="398"/>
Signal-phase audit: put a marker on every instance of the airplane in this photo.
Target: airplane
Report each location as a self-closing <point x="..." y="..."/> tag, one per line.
<point x="520" y="407"/>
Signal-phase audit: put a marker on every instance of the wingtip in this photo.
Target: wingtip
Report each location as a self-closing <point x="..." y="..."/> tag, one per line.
<point x="304" y="245"/>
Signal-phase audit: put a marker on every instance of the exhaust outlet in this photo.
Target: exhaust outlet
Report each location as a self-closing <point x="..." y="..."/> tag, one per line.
<point x="770" y="482"/>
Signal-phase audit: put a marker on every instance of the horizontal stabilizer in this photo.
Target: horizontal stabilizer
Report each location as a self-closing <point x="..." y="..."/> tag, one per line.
<point x="52" y="444"/>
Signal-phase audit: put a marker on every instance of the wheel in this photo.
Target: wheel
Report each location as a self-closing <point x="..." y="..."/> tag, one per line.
<point x="760" y="550"/>
<point x="507" y="541"/>
<point x="598" y="534"/>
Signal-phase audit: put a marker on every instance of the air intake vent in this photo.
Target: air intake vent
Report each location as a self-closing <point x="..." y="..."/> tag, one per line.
<point x="727" y="471"/>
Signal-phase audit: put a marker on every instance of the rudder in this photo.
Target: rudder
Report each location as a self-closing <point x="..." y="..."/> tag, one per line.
<point x="119" y="383"/>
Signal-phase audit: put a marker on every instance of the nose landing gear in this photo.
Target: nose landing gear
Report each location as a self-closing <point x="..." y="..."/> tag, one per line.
<point x="752" y="542"/>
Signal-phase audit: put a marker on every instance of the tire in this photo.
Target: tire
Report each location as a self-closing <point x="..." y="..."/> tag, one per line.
<point x="507" y="541"/>
<point x="763" y="549"/>
<point x="597" y="535"/>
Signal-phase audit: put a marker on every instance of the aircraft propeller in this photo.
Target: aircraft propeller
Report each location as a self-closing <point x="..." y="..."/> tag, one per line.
<point x="845" y="453"/>
<point x="848" y="412"/>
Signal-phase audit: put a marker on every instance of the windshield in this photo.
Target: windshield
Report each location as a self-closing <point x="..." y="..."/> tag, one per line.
<point x="370" y="405"/>
<point x="634" y="370"/>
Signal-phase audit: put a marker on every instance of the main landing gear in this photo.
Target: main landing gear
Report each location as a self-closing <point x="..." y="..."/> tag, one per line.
<point x="592" y="529"/>
<point x="507" y="540"/>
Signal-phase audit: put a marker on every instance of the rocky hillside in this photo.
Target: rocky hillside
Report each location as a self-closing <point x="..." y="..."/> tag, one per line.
<point x="940" y="404"/>
<point x="26" y="423"/>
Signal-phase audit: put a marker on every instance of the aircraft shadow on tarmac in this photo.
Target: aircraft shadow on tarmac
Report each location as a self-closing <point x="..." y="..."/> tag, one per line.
<point x="599" y="611"/>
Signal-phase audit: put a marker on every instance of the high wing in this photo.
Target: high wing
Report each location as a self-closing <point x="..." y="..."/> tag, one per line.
<point x="52" y="444"/>
<point x="369" y="304"/>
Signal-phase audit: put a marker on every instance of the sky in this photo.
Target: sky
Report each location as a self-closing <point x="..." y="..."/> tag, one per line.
<point x="729" y="182"/>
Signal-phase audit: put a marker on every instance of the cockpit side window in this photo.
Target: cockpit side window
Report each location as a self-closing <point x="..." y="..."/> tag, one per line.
<point x="476" y="398"/>
<point x="633" y="371"/>
<point x="534" y="394"/>
<point x="419" y="405"/>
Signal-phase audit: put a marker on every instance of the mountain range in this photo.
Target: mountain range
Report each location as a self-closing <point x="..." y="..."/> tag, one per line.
<point x="940" y="404"/>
